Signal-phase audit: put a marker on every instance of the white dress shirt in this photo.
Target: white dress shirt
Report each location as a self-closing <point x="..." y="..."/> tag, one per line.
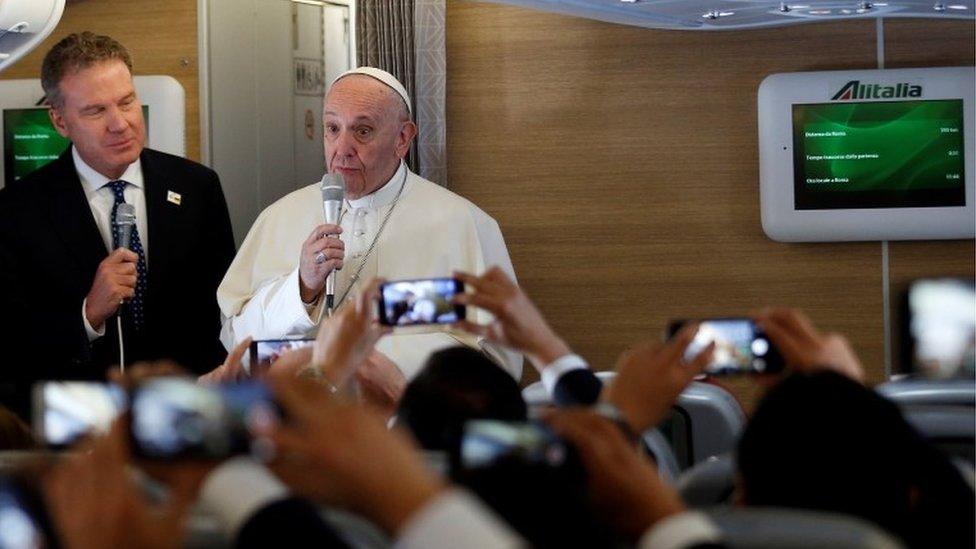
<point x="100" y="200"/>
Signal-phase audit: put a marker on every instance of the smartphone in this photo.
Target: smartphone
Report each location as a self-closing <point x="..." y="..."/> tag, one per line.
<point x="23" y="522"/>
<point x="178" y="418"/>
<point x="64" y="411"/>
<point x="266" y="351"/>
<point x="420" y="302"/>
<point x="940" y="328"/>
<point x="489" y="442"/>
<point x="741" y="347"/>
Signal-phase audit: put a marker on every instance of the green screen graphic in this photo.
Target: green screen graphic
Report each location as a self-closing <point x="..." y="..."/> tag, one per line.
<point x="30" y="141"/>
<point x="879" y="155"/>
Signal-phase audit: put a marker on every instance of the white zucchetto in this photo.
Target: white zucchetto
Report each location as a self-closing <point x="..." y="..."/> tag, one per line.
<point x="384" y="77"/>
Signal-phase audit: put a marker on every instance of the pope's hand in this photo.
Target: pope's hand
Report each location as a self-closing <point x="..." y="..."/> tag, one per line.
<point x="321" y="253"/>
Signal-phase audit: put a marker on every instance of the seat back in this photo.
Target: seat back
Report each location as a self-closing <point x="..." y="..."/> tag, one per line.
<point x="943" y="411"/>
<point x="952" y="429"/>
<point x="714" y="422"/>
<point x="705" y="421"/>
<point x="708" y="483"/>
<point x="950" y="392"/>
<point x="780" y="528"/>
<point x="658" y="446"/>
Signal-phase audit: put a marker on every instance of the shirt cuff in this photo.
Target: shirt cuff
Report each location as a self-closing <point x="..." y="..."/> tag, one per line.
<point x="239" y="488"/>
<point x="681" y="530"/>
<point x="557" y="368"/>
<point x="93" y="334"/>
<point x="309" y="315"/>
<point x="456" y="519"/>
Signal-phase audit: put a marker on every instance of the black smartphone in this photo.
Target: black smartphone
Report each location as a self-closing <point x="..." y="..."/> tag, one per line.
<point x="420" y="302"/>
<point x="266" y="351"/>
<point x="178" y="418"/>
<point x="23" y="521"/>
<point x="939" y="328"/>
<point x="488" y="442"/>
<point x="64" y="411"/>
<point x="741" y="347"/>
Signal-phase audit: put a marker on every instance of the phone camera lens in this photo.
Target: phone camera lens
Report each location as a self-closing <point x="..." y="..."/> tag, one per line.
<point x="760" y="346"/>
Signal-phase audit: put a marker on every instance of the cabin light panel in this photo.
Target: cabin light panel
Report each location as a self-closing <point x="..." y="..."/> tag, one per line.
<point x="745" y="14"/>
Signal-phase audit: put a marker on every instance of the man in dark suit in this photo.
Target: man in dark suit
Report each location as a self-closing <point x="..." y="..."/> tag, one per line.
<point x="63" y="290"/>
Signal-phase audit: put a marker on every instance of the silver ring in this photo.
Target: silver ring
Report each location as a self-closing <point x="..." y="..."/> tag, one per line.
<point x="320" y="258"/>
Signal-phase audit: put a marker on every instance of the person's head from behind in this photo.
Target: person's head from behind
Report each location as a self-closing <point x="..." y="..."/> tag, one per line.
<point x="457" y="384"/>
<point x="825" y="442"/>
<point x="547" y="503"/>
<point x="87" y="80"/>
<point x="367" y="130"/>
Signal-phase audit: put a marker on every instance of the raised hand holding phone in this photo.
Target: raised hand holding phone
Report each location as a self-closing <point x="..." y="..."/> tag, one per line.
<point x="804" y="348"/>
<point x="651" y="376"/>
<point x="518" y="324"/>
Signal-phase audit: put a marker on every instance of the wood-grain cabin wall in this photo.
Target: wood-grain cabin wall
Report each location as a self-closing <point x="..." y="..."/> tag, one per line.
<point x="622" y="166"/>
<point x="622" y="162"/>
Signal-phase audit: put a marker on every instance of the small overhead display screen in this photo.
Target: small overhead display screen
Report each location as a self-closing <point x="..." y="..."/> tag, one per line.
<point x="30" y="141"/>
<point x="883" y="154"/>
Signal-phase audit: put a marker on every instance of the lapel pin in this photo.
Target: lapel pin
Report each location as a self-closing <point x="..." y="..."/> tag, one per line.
<point x="175" y="198"/>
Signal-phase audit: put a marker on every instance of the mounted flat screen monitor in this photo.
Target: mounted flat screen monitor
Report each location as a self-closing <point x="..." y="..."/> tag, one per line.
<point x="30" y="140"/>
<point x="867" y="155"/>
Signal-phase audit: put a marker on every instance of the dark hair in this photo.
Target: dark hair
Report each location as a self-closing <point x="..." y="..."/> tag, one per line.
<point x="75" y="52"/>
<point x="825" y="442"/>
<point x="455" y="385"/>
<point x="549" y="506"/>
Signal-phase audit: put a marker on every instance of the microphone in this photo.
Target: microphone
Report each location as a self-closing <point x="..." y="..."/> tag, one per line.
<point x="333" y="193"/>
<point x="125" y="221"/>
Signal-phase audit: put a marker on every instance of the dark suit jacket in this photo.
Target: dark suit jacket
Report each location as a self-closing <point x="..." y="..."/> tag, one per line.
<point x="50" y="248"/>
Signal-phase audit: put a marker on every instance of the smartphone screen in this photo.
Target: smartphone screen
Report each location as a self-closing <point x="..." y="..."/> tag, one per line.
<point x="21" y="525"/>
<point x="420" y="302"/>
<point x="942" y="328"/>
<point x="266" y="351"/>
<point x="740" y="347"/>
<point x="485" y="442"/>
<point x="64" y="411"/>
<point x="178" y="418"/>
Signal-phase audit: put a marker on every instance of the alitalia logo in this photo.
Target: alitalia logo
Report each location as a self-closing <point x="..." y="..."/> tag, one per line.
<point x="856" y="90"/>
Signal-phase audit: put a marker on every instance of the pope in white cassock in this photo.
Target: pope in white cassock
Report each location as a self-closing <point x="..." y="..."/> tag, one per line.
<point x="394" y="224"/>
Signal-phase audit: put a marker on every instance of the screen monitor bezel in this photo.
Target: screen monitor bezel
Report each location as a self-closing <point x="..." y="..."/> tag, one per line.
<point x="783" y="221"/>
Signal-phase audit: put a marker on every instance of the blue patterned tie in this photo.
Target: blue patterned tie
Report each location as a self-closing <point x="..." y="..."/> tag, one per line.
<point x="136" y="305"/>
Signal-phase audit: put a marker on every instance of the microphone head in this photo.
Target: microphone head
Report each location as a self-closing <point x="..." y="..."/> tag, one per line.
<point x="333" y="192"/>
<point x="125" y="221"/>
<point x="125" y="214"/>
<point x="333" y="187"/>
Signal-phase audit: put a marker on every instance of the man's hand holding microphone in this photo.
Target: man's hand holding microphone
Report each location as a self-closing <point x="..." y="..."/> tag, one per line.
<point x="115" y="282"/>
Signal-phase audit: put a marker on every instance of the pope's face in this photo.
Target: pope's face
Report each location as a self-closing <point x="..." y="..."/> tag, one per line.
<point x="102" y="116"/>
<point x="366" y="133"/>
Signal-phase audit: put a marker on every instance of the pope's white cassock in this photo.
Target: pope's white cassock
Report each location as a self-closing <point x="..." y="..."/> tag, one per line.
<point x="430" y="233"/>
